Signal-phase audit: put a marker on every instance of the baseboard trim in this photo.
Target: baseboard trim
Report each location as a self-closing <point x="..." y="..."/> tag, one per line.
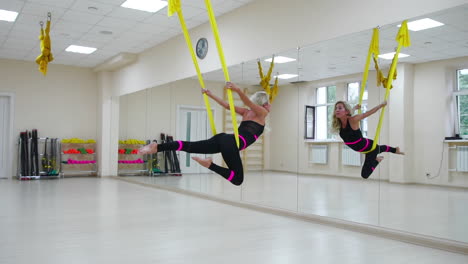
<point x="422" y="240"/>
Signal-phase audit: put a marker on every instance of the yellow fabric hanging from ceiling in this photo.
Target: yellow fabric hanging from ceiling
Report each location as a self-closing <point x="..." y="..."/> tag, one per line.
<point x="274" y="91"/>
<point x="174" y="6"/>
<point x="46" y="49"/>
<point x="214" y="28"/>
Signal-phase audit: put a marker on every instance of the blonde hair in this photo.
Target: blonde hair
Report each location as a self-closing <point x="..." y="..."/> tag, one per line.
<point x="260" y="98"/>
<point x="336" y="122"/>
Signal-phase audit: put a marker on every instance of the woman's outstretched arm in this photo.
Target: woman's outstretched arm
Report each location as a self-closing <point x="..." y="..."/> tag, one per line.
<point x="259" y="110"/>
<point x="370" y="112"/>
<point x="224" y="104"/>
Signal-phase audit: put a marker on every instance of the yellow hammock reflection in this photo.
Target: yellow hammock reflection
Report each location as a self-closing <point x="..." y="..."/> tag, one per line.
<point x="403" y="39"/>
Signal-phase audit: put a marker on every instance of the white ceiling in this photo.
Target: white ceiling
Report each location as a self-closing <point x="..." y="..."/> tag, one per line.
<point x="347" y="54"/>
<point x="74" y="22"/>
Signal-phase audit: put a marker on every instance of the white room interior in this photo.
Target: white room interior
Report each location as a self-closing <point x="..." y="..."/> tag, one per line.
<point x="135" y="90"/>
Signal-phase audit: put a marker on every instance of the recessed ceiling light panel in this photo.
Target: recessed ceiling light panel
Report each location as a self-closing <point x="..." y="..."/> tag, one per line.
<point x="80" y="49"/>
<point x="286" y="76"/>
<point x="152" y="6"/>
<point x="281" y="59"/>
<point x="389" y="56"/>
<point x="9" y="16"/>
<point x="423" y="24"/>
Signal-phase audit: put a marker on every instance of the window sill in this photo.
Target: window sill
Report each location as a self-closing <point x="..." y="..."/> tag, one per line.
<point x="312" y="141"/>
<point x="456" y="140"/>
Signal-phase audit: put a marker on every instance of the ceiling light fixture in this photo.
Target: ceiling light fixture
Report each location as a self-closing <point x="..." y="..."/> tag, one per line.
<point x="281" y="59"/>
<point x="80" y="49"/>
<point x="145" y="5"/>
<point x="389" y="56"/>
<point x="9" y="16"/>
<point x="423" y="24"/>
<point x="286" y="76"/>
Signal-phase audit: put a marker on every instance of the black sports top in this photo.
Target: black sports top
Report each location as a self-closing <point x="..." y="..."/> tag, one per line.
<point x="350" y="135"/>
<point x="251" y="127"/>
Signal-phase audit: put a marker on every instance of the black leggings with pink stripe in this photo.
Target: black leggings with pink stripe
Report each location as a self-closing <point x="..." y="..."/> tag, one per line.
<point x="370" y="163"/>
<point x="224" y="143"/>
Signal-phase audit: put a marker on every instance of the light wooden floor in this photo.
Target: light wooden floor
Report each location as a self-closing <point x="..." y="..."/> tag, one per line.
<point x="93" y="220"/>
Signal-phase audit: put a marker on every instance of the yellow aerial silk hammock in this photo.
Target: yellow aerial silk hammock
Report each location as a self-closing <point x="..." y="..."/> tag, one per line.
<point x="174" y="6"/>
<point x="265" y="80"/>
<point x="403" y="39"/>
<point x="274" y="90"/>
<point x="214" y="27"/>
<point x="46" y="49"/>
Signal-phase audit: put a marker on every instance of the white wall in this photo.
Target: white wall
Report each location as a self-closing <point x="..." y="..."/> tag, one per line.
<point x="433" y="119"/>
<point x="62" y="104"/>
<point x="283" y="137"/>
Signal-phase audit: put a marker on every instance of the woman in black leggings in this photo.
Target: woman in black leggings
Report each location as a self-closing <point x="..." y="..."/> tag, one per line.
<point x="348" y="127"/>
<point x="251" y="127"/>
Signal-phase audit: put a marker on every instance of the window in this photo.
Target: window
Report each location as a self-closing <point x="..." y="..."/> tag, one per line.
<point x="326" y="98"/>
<point x="354" y="90"/>
<point x="461" y="97"/>
<point x="309" y="125"/>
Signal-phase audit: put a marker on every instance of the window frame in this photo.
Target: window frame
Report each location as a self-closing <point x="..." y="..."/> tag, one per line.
<point x="456" y="93"/>
<point x="306" y="121"/>
<point x="364" y="102"/>
<point x="326" y="105"/>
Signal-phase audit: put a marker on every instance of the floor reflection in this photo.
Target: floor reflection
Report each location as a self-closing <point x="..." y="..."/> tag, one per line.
<point x="428" y="210"/>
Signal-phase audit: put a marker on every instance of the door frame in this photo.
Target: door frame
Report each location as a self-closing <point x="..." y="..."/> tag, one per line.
<point x="10" y="140"/>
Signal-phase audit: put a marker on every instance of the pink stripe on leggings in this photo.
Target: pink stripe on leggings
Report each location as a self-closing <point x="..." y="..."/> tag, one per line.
<point x="373" y="168"/>
<point x="245" y="142"/>
<point x="255" y="136"/>
<point x="352" y="143"/>
<point x="231" y="176"/>
<point x="367" y="144"/>
<point x="180" y="145"/>
<point x="388" y="147"/>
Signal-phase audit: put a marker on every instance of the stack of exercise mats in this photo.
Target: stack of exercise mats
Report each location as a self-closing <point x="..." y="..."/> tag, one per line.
<point x="78" y="157"/>
<point x="166" y="162"/>
<point x="130" y="161"/>
<point x="154" y="161"/>
<point x="37" y="157"/>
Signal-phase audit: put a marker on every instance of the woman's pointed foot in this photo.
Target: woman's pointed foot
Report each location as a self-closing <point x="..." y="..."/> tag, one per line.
<point x="398" y="151"/>
<point x="149" y="149"/>
<point x="204" y="162"/>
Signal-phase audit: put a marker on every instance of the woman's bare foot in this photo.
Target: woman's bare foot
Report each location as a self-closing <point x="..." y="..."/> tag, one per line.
<point x="149" y="149"/>
<point x="398" y="151"/>
<point x="379" y="158"/>
<point x="204" y="162"/>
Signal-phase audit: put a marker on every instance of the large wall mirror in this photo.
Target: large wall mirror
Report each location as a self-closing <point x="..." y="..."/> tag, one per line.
<point x="424" y="191"/>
